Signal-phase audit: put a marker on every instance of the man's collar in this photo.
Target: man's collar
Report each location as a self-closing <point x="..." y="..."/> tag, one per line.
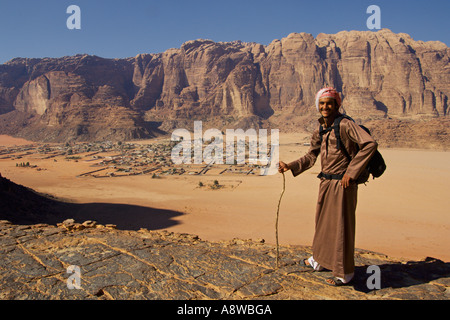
<point x="324" y="123"/>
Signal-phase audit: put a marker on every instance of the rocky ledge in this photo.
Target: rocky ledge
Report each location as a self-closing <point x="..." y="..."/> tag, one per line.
<point x="100" y="262"/>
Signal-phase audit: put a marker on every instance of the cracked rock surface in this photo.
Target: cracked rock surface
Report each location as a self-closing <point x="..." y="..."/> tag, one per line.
<point x="36" y="260"/>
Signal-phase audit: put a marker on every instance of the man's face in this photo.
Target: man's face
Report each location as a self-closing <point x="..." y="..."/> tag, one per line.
<point x="328" y="107"/>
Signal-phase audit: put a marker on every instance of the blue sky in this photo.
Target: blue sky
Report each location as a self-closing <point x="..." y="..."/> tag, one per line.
<point x="119" y="29"/>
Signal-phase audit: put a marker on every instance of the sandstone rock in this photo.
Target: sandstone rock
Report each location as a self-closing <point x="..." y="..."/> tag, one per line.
<point x="151" y="265"/>
<point x="89" y="224"/>
<point x="68" y="222"/>
<point x="380" y="74"/>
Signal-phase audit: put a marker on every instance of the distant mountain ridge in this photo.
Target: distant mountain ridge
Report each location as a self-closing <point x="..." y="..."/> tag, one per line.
<point x="381" y="75"/>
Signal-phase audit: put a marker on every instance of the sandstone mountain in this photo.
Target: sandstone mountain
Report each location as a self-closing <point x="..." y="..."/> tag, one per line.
<point x="382" y="76"/>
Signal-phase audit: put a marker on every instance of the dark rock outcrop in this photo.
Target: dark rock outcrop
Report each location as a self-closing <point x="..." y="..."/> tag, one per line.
<point x="36" y="260"/>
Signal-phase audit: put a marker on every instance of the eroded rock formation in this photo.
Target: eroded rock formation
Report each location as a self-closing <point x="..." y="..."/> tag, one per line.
<point x="380" y="74"/>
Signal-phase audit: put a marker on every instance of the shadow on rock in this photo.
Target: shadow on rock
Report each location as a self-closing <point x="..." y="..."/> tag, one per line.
<point x="21" y="205"/>
<point x="402" y="275"/>
<point x="125" y="216"/>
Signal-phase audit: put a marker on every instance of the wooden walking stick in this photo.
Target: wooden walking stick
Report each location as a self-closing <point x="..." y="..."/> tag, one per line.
<point x="278" y="213"/>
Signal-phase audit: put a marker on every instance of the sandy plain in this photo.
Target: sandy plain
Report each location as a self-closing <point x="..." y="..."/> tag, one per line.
<point x="403" y="214"/>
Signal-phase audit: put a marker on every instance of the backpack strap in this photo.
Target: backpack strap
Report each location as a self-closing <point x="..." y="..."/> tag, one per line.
<point x="339" y="144"/>
<point x="336" y="128"/>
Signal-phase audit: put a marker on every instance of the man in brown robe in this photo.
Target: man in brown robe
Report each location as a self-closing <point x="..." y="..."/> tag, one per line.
<point x="334" y="238"/>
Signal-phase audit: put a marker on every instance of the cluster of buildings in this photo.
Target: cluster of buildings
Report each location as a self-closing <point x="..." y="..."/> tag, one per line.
<point x="108" y="159"/>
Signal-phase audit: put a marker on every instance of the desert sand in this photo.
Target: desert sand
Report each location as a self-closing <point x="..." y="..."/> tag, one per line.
<point x="403" y="214"/>
<point x="8" y="141"/>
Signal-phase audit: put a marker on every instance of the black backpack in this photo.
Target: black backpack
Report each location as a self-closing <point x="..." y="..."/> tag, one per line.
<point x="376" y="165"/>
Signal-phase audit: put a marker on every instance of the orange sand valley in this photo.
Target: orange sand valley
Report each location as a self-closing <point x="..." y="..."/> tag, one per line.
<point x="403" y="214"/>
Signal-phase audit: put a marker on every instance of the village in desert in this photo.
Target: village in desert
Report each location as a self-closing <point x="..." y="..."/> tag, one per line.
<point x="108" y="159"/>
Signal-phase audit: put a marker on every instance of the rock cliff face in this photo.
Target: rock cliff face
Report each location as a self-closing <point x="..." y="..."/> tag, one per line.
<point x="380" y="74"/>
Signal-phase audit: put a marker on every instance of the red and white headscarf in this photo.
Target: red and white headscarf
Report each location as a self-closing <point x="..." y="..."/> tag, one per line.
<point x="328" y="93"/>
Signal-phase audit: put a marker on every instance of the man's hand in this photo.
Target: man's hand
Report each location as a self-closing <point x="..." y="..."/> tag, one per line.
<point x="345" y="182"/>
<point x="283" y="167"/>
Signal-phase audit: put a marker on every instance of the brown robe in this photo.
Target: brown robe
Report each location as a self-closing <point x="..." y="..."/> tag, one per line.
<point x="334" y="239"/>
